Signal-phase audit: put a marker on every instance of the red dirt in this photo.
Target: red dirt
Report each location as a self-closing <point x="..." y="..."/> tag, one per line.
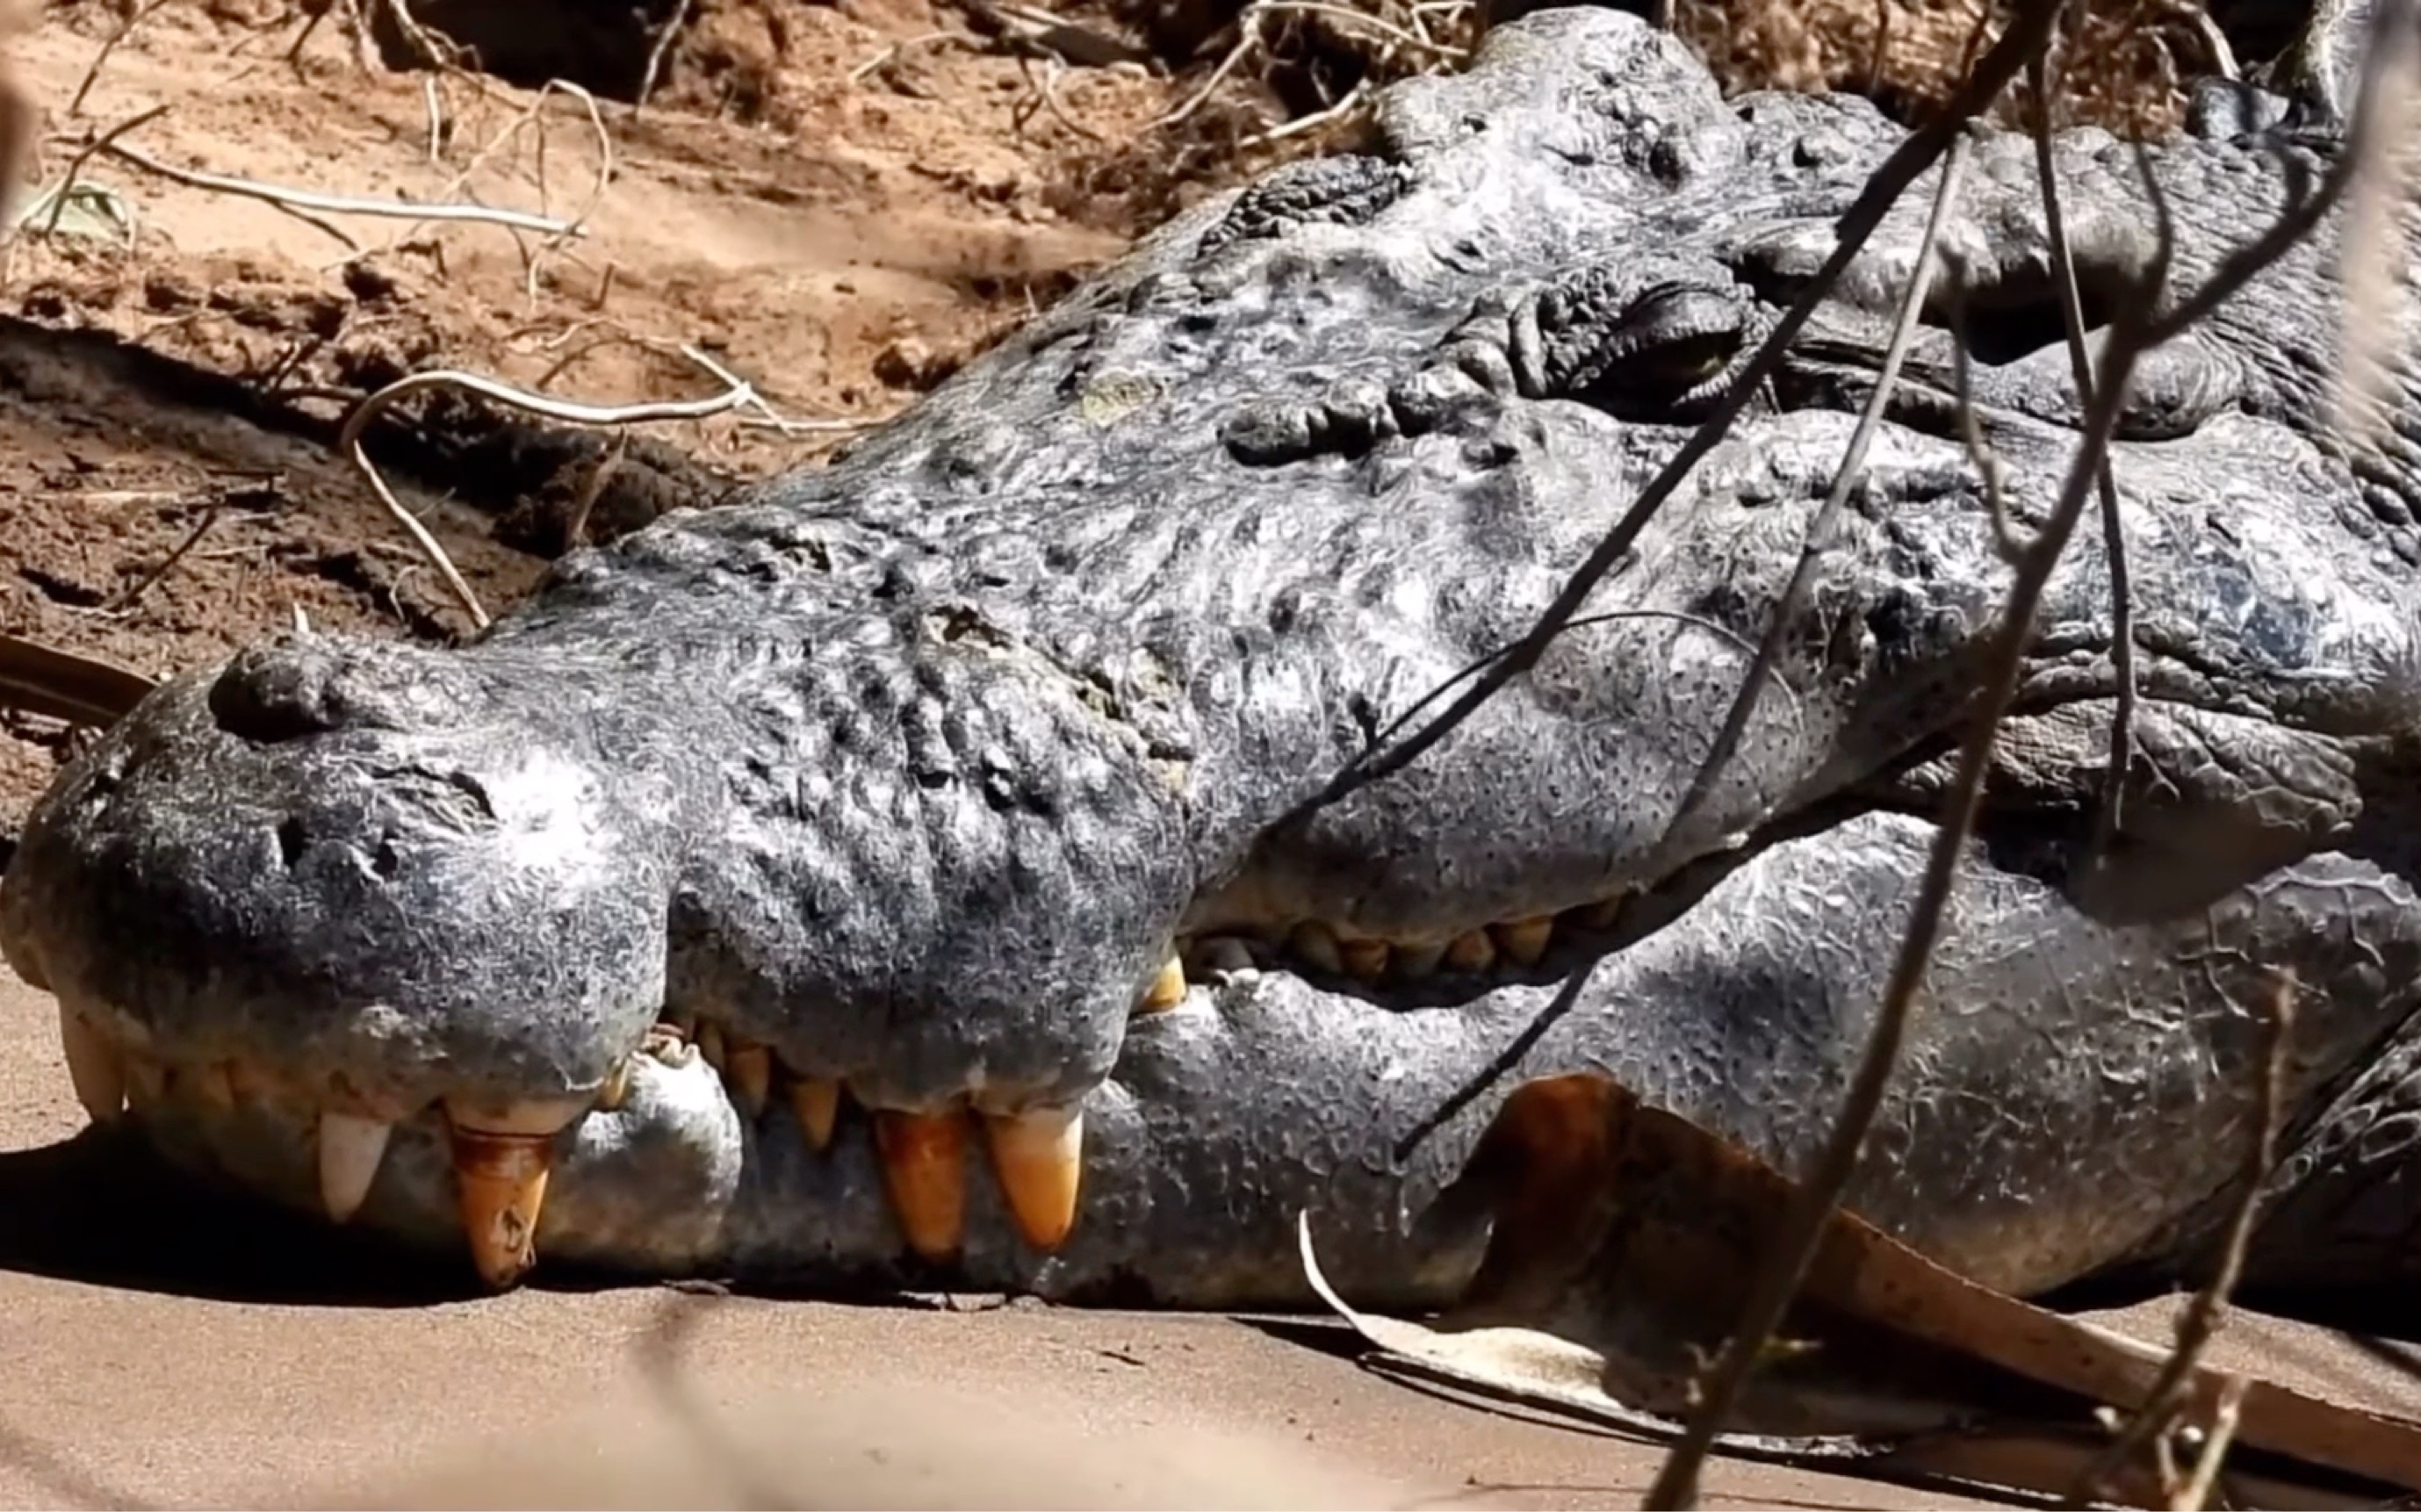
<point x="839" y="203"/>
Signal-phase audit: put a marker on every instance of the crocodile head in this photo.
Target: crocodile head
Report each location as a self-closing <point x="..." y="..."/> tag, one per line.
<point x="903" y="871"/>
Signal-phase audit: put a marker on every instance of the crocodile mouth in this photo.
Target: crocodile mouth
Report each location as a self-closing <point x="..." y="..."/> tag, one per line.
<point x="654" y="1131"/>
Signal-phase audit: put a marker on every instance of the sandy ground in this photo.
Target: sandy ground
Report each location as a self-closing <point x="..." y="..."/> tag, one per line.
<point x="159" y="1353"/>
<point x="164" y="1349"/>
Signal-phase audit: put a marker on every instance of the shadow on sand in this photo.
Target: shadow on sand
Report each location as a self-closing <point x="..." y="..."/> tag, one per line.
<point x="104" y="1209"/>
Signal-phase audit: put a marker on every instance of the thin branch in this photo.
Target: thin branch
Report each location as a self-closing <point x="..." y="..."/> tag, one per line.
<point x="1819" y="1190"/>
<point x="84" y="154"/>
<point x="349" y="441"/>
<point x="1248" y="35"/>
<point x="1318" y="118"/>
<point x="92" y="73"/>
<point x="340" y="204"/>
<point x="1904" y="166"/>
<point x="2224" y="1412"/>
<point x="2208" y="1309"/>
<point x="656" y="55"/>
<point x="2113" y="530"/>
<point x="1852" y="472"/>
<point x="118" y="603"/>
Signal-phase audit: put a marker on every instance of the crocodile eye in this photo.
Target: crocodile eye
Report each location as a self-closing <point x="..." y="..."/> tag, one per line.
<point x="1664" y="351"/>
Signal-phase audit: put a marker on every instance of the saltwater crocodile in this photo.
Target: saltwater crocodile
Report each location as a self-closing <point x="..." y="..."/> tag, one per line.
<point x="734" y="903"/>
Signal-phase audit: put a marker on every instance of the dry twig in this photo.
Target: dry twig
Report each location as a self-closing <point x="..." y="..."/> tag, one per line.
<point x="349" y="441"/>
<point x="92" y="72"/>
<point x="84" y="154"/>
<point x="2108" y="814"/>
<point x="2208" y="1309"/>
<point x="310" y="199"/>
<point x="1848" y="475"/>
<point x="656" y="54"/>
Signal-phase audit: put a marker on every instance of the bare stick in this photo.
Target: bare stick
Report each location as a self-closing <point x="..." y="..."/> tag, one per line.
<point x="1819" y="1190"/>
<point x="899" y="49"/>
<point x="2113" y="530"/>
<point x="1318" y="118"/>
<point x="533" y="113"/>
<point x="656" y="55"/>
<point x="1676" y="1485"/>
<point x="125" y="29"/>
<point x="1248" y="35"/>
<point x="349" y="441"/>
<point x="2195" y="1494"/>
<point x="1904" y="166"/>
<point x="120" y="603"/>
<point x="2208" y="1309"/>
<point x="1852" y="472"/>
<point x="84" y="155"/>
<point x="340" y="204"/>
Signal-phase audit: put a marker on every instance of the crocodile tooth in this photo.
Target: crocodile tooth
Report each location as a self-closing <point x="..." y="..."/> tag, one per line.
<point x="250" y="1082"/>
<point x="96" y="1067"/>
<point x="1525" y="941"/>
<point x="749" y="1070"/>
<point x="211" y="1085"/>
<point x="710" y="1045"/>
<point x="616" y="1089"/>
<point x="1413" y="962"/>
<point x="1316" y="943"/>
<point x="500" y="1183"/>
<point x="350" y="1149"/>
<point x="1039" y="1157"/>
<point x="1473" y="952"/>
<point x="925" y="1171"/>
<point x="1223" y="955"/>
<point x="1364" y="958"/>
<point x="147" y="1080"/>
<point x="1603" y="914"/>
<point x="815" y="1100"/>
<point x="1167" y="991"/>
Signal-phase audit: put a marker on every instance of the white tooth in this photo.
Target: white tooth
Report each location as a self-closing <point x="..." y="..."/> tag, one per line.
<point x="1221" y="955"/>
<point x="147" y="1080"/>
<point x="96" y="1067"/>
<point x="350" y="1149"/>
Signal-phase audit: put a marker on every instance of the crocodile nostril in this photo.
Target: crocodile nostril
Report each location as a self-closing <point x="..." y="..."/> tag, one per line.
<point x="290" y="842"/>
<point x="273" y="693"/>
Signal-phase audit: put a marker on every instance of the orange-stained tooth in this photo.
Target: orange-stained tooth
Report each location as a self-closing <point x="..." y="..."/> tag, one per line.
<point x="1603" y="914"/>
<point x="147" y="1080"/>
<point x="1316" y="944"/>
<point x="351" y="1149"/>
<point x="1413" y="962"/>
<point x="1364" y="958"/>
<point x="96" y="1067"/>
<point x="815" y="1100"/>
<point x="1167" y="991"/>
<point x="925" y="1171"/>
<point x="1039" y="1157"/>
<point x="1525" y="941"/>
<point x="616" y="1089"/>
<point x="500" y="1181"/>
<point x="210" y="1086"/>
<point x="749" y="1069"/>
<point x="1473" y="952"/>
<point x="709" y="1044"/>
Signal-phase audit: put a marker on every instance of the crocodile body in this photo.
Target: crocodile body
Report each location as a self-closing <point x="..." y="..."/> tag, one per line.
<point x="953" y="774"/>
